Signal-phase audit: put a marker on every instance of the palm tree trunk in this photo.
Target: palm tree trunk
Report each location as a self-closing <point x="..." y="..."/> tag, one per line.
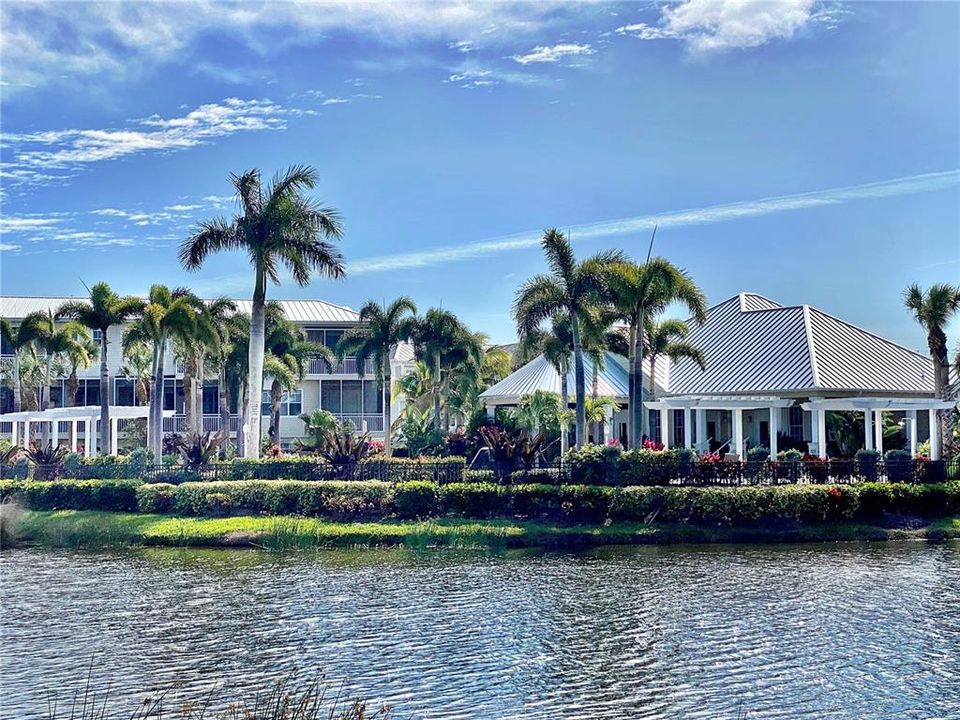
<point x="189" y="374"/>
<point x="276" y="393"/>
<point x="45" y="392"/>
<point x="637" y="412"/>
<point x="937" y="341"/>
<point x="242" y="410"/>
<point x="564" y="405"/>
<point x="223" y="405"/>
<point x="155" y="425"/>
<point x="386" y="380"/>
<point x="257" y="338"/>
<point x="105" y="439"/>
<point x="73" y="382"/>
<point x="436" y="391"/>
<point x="198" y="394"/>
<point x="653" y="392"/>
<point x="594" y="391"/>
<point x="17" y="385"/>
<point x="579" y="379"/>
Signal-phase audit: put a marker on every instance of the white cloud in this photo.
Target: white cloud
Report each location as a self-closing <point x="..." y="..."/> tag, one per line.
<point x="642" y="224"/>
<point x="11" y="224"/>
<point x="336" y="101"/>
<point x="182" y="208"/>
<point x="463" y="46"/>
<point x="553" y="53"/>
<point x="8" y="247"/>
<point x="72" y="149"/>
<point x="717" y="25"/>
<point x="45" y="42"/>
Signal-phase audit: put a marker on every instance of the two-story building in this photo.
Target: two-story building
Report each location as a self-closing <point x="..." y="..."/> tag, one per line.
<point x="339" y="389"/>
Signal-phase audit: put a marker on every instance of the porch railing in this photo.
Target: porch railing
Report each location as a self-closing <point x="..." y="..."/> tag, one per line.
<point x="347" y="366"/>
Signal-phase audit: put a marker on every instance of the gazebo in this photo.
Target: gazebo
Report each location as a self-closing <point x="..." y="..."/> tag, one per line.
<point x="87" y="415"/>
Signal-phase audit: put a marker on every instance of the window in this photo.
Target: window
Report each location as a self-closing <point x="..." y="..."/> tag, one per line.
<point x="211" y="397"/>
<point x="330" y="396"/>
<point x="655" y="425"/>
<point x="88" y="393"/>
<point x="372" y="398"/>
<point x="351" y="397"/>
<point x="173" y="395"/>
<point x="352" y="394"/>
<point x="125" y="392"/>
<point x="678" y="427"/>
<point x="796" y="422"/>
<point x="97" y="335"/>
<point x="291" y="404"/>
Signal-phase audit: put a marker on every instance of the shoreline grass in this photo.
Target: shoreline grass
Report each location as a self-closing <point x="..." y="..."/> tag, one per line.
<point x="94" y="529"/>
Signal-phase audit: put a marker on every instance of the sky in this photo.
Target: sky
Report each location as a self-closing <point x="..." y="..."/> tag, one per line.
<point x="807" y="151"/>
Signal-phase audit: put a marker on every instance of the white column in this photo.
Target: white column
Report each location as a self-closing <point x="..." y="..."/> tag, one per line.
<point x="934" y="434"/>
<point x="821" y="433"/>
<point x="26" y="433"/>
<point x="14" y="426"/>
<point x="912" y="419"/>
<point x="774" y="429"/>
<point x="55" y="432"/>
<point x="492" y="411"/>
<point x="114" y="436"/>
<point x="609" y="430"/>
<point x="73" y="436"/>
<point x="867" y="431"/>
<point x="702" y="429"/>
<point x="738" y="433"/>
<point x="878" y="430"/>
<point x="90" y="442"/>
<point x="665" y="427"/>
<point x="687" y="429"/>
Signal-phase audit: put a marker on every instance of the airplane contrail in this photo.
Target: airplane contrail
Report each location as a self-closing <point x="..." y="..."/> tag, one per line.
<point x="910" y="185"/>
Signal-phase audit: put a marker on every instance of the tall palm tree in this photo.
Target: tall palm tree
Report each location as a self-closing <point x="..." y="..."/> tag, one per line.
<point x="636" y="291"/>
<point x="933" y="308"/>
<point x="436" y="337"/>
<point x="473" y="367"/>
<point x="20" y="339"/>
<point x="168" y="315"/>
<point x="279" y="225"/>
<point x="556" y="345"/>
<point x="668" y="338"/>
<point x="138" y="364"/>
<point x="205" y="342"/>
<point x="573" y="287"/>
<point x="286" y="362"/>
<point x="101" y="311"/>
<point x="80" y="355"/>
<point x="382" y="328"/>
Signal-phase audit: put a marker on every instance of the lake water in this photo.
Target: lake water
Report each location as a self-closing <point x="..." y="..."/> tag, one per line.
<point x="792" y="631"/>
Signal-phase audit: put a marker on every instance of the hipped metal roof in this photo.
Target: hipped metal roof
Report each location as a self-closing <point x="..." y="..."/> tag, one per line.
<point x="299" y="311"/>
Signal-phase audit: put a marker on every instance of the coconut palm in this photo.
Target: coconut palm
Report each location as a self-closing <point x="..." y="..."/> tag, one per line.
<point x="20" y="339"/>
<point x="168" y="315"/>
<point x="204" y="343"/>
<point x="438" y="339"/>
<point x="573" y="287"/>
<point x="101" y="311"/>
<point x="638" y="290"/>
<point x="286" y="362"/>
<point x="279" y="226"/>
<point x="668" y="338"/>
<point x="382" y="328"/>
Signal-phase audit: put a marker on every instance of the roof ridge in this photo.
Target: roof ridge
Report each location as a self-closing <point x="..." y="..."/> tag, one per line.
<point x="811" y="346"/>
<point x="870" y="333"/>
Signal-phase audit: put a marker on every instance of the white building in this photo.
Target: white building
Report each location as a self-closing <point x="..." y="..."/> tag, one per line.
<point x="772" y="372"/>
<point x="340" y="390"/>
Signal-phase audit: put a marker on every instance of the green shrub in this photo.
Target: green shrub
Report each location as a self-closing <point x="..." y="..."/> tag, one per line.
<point x="867" y="463"/>
<point x="791" y="455"/>
<point x="156" y="497"/>
<point x="899" y="465"/>
<point x="112" y="495"/>
<point x="593" y="464"/>
<point x="473" y="499"/>
<point x="416" y="498"/>
<point x="758" y="454"/>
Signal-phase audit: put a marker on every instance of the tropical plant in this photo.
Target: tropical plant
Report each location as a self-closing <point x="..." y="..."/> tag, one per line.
<point x="418" y="433"/>
<point x="138" y="365"/>
<point x="20" y="339"/>
<point x="596" y="409"/>
<point x="667" y="338"/>
<point x="510" y="447"/>
<point x="279" y="226"/>
<point x="639" y="290"/>
<point x="81" y="354"/>
<point x="344" y="447"/>
<point x="317" y="426"/>
<point x="556" y="345"/>
<point x="55" y="341"/>
<point x="196" y="449"/>
<point x="572" y="287"/>
<point x="101" y="311"/>
<point x="47" y="458"/>
<point x="381" y="328"/>
<point x="442" y="341"/>
<point x="476" y="366"/>
<point x="539" y="411"/>
<point x="167" y="315"/>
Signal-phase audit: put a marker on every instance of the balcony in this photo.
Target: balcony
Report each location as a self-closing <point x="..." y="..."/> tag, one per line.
<point x="347" y="366"/>
<point x="209" y="423"/>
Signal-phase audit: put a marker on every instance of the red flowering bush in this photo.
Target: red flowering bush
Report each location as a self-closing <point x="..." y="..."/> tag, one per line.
<point x="652" y="445"/>
<point x="274" y="451"/>
<point x="613" y="442"/>
<point x="375" y="446"/>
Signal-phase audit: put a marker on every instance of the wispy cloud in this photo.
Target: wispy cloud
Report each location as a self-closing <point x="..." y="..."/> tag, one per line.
<point x="644" y="223"/>
<point x="11" y="224"/>
<point x="553" y="53"/>
<point x="9" y="247"/>
<point x="34" y="154"/>
<point x="707" y="26"/>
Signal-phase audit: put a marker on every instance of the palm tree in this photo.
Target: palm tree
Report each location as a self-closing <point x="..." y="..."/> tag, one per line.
<point x="279" y="225"/>
<point x="573" y="287"/>
<point x="80" y="355"/>
<point x="638" y="290"/>
<point x="230" y="327"/>
<point x="933" y="308"/>
<point x="556" y="345"/>
<point x="168" y="315"/>
<point x="20" y="339"/>
<point x="286" y="362"/>
<point x="205" y="342"/>
<point x="436" y="337"/>
<point x="382" y="328"/>
<point x="596" y="408"/>
<point x="668" y="338"/>
<point x="101" y="311"/>
<point x="55" y="341"/>
<point x="472" y="368"/>
<point x="138" y="365"/>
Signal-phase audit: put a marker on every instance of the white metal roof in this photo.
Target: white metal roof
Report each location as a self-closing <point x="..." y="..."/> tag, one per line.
<point x="752" y="345"/>
<point x="539" y="374"/>
<point x="299" y="311"/>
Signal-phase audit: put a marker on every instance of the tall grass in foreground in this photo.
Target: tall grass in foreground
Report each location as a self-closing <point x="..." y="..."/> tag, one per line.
<point x="315" y="700"/>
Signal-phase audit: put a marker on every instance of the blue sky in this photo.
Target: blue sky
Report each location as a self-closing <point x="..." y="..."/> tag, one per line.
<point x="804" y="150"/>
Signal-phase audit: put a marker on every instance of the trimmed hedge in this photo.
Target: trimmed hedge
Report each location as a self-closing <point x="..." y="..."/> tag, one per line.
<point x="568" y="503"/>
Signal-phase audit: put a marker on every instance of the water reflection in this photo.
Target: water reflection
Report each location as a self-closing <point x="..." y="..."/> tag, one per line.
<point x="842" y="631"/>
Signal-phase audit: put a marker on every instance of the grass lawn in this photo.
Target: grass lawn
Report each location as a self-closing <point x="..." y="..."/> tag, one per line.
<point x="88" y="529"/>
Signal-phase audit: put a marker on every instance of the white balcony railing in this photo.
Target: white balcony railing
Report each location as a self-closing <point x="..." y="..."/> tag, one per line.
<point x="208" y="423"/>
<point x="348" y="366"/>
